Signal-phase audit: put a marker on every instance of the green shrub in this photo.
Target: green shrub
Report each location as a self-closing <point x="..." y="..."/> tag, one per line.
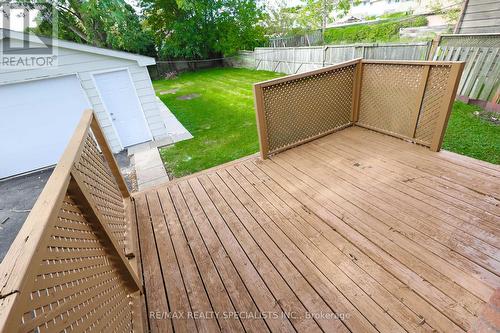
<point x="379" y="32"/>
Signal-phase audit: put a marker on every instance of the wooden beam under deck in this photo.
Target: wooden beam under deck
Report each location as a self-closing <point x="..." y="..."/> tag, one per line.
<point x="356" y="231"/>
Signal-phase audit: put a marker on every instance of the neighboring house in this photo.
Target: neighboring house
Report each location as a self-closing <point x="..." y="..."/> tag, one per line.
<point x="479" y="16"/>
<point x="40" y="107"/>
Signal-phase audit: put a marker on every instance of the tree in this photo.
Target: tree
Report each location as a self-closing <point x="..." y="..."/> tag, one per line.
<point x="104" y="23"/>
<point x="282" y="20"/>
<point x="316" y="14"/>
<point x="450" y="12"/>
<point x="199" y="29"/>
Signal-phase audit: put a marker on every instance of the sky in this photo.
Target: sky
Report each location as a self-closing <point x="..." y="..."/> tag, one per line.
<point x="16" y="20"/>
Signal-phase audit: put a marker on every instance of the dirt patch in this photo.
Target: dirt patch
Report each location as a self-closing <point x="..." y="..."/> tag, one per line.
<point x="188" y="97"/>
<point x="170" y="91"/>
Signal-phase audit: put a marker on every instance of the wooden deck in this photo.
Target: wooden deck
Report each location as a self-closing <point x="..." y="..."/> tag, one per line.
<point x="356" y="231"/>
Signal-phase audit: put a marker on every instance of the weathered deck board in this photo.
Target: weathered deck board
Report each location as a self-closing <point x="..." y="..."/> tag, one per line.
<point x="362" y="231"/>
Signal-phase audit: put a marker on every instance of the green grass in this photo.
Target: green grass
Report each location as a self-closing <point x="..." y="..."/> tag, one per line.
<point x="221" y="118"/>
<point x="468" y="133"/>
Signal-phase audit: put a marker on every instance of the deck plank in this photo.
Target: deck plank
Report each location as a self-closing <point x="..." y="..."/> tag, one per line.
<point x="217" y="292"/>
<point x="408" y="176"/>
<point x="356" y="285"/>
<point x="430" y="163"/>
<point x="317" y="230"/>
<point x="261" y="294"/>
<point x="348" y="220"/>
<point x="356" y="231"/>
<point x="172" y="277"/>
<point x="410" y="212"/>
<point x="234" y="285"/>
<point x="375" y="150"/>
<point x="156" y="299"/>
<point x="309" y="271"/>
<point x="426" y="263"/>
<point x="198" y="298"/>
<point x="245" y="229"/>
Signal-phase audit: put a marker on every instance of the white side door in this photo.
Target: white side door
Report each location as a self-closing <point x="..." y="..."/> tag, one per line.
<point x="37" y="120"/>
<point x="121" y="102"/>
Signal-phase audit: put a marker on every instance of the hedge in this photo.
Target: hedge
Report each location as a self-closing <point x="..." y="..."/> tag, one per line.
<point x="379" y="32"/>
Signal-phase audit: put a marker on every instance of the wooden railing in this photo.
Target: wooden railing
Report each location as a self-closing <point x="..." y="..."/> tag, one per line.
<point x="406" y="99"/>
<point x="72" y="266"/>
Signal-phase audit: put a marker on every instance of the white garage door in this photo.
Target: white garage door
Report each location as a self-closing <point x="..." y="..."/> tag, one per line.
<point x="37" y="121"/>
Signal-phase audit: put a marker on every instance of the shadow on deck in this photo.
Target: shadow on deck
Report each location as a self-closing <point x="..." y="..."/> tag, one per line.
<point x="356" y="231"/>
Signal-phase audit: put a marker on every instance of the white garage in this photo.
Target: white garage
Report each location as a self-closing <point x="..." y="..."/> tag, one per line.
<point x="40" y="107"/>
<point x="38" y="119"/>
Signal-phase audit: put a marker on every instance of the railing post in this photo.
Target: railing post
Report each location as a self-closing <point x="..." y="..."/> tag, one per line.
<point x="325" y="48"/>
<point x="356" y="92"/>
<point x="261" y="121"/>
<point x="420" y="97"/>
<point x="434" y="47"/>
<point x="445" y="110"/>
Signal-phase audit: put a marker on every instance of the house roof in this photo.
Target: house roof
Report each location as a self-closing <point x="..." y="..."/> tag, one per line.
<point x="141" y="60"/>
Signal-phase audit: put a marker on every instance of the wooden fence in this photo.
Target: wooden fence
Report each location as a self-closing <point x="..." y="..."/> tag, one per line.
<point x="293" y="60"/>
<point x="481" y="52"/>
<point x="407" y="99"/>
<point x="70" y="268"/>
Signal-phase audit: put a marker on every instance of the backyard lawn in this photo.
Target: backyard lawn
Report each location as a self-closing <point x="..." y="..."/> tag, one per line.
<point x="473" y="132"/>
<point x="216" y="106"/>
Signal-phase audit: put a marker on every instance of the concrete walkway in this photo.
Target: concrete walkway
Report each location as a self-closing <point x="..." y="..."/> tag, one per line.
<point x="149" y="168"/>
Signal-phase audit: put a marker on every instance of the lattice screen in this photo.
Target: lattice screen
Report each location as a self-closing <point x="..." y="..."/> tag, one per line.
<point x="464" y="41"/>
<point x="103" y="188"/>
<point x="434" y="97"/>
<point x="300" y="109"/>
<point x="388" y="97"/>
<point x="77" y="285"/>
<point x="66" y="270"/>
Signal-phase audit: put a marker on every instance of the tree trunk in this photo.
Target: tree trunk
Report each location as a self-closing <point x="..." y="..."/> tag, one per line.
<point x="323" y="21"/>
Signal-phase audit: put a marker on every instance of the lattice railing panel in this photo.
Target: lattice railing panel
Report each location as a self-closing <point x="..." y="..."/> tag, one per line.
<point x="77" y="285"/>
<point x="482" y="40"/>
<point x="432" y="104"/>
<point x="388" y="97"/>
<point x="103" y="188"/>
<point x="67" y="269"/>
<point x="407" y="99"/>
<point x="303" y="108"/>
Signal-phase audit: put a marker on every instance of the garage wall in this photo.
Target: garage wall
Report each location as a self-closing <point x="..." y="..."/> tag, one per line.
<point x="84" y="64"/>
